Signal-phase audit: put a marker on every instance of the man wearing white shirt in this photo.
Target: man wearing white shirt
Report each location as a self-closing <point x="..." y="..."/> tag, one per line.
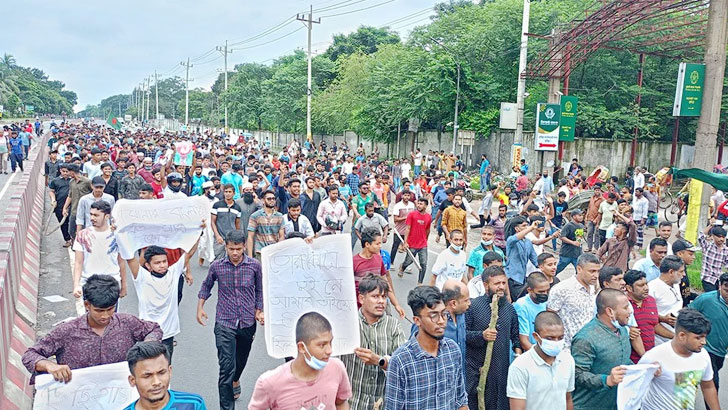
<point x="450" y="263"/>
<point x="406" y="169"/>
<point x="331" y="213"/>
<point x="293" y="221"/>
<point x="666" y="291"/>
<point x="417" y="159"/>
<point x="639" y="214"/>
<point x="639" y="178"/>
<point x="684" y="364"/>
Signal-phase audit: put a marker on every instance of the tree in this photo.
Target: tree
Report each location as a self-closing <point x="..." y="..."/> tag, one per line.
<point x="8" y="61"/>
<point x="245" y="95"/>
<point x="365" y="40"/>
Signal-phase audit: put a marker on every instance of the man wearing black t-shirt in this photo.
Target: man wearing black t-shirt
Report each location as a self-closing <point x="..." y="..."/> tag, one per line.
<point x="571" y="236"/>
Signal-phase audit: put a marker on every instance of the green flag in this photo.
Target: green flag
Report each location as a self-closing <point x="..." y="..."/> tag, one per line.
<point x="113" y="122"/>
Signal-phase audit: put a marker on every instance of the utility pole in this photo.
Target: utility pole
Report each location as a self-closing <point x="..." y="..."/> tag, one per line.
<point x="141" y="109"/>
<point x="308" y="22"/>
<point x="457" y="92"/>
<point x="156" y="93"/>
<point x="187" y="66"/>
<point x="149" y="94"/>
<point x="521" y="91"/>
<point x="225" y="52"/>
<point x="705" y="138"/>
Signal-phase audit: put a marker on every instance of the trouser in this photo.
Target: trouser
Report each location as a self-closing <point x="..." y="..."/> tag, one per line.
<point x="3" y="158"/>
<point x="640" y="234"/>
<point x="219" y="250"/>
<point x="422" y="258"/>
<point x="418" y="170"/>
<point x="72" y="224"/>
<point x="717" y="363"/>
<point x="483" y="185"/>
<point x="395" y="247"/>
<point x="397" y="184"/>
<point x="551" y="231"/>
<point x="64" y="226"/>
<point x="709" y="287"/>
<point x="233" y="348"/>
<point x="602" y="236"/>
<point x="354" y="238"/>
<point x="26" y="150"/>
<point x="564" y="262"/>
<point x="180" y="286"/>
<point x="516" y="289"/>
<point x="592" y="236"/>
<point x="483" y="221"/>
<point x="169" y="344"/>
<point x="16" y="160"/>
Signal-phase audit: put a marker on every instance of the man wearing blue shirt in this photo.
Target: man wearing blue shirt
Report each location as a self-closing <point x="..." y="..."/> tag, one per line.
<point x="650" y="264"/>
<point x="233" y="178"/>
<point x="520" y="251"/>
<point x="531" y="305"/>
<point x="15" y="143"/>
<point x="484" y="174"/>
<point x="149" y="367"/>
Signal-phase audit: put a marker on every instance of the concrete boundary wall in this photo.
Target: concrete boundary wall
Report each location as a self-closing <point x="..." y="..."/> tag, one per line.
<point x="20" y="230"/>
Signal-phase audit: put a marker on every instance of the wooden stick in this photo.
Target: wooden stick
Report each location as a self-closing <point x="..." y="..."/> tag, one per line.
<point x="488" y="354"/>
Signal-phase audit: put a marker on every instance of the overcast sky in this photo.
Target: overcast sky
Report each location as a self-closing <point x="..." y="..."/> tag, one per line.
<point x="101" y="48"/>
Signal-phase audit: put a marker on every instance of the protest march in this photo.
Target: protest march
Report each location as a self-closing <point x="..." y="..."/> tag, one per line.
<point x="531" y="293"/>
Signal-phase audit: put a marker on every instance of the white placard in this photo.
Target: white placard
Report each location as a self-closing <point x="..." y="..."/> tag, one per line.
<point x="104" y="387"/>
<point x="170" y="223"/>
<point x="300" y="278"/>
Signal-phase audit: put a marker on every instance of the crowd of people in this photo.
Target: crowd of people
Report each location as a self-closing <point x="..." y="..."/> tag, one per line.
<point x="492" y="321"/>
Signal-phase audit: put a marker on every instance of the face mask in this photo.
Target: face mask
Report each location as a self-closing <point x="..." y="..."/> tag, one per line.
<point x="456" y="247"/>
<point x="486" y="243"/>
<point x="211" y="193"/>
<point x="248" y="197"/>
<point x="158" y="275"/>
<point x="148" y="167"/>
<point x="550" y="347"/>
<point x="314" y="362"/>
<point x="541" y="298"/>
<point x="616" y="324"/>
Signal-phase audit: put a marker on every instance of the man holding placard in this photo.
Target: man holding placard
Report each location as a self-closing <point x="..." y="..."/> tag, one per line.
<point x="101" y="336"/>
<point x="380" y="335"/>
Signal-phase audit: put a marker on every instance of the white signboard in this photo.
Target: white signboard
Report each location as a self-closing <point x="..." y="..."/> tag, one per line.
<point x="508" y="113"/>
<point x="547" y="127"/>
<point x="104" y="387"/>
<point x="171" y="223"/>
<point x="300" y="278"/>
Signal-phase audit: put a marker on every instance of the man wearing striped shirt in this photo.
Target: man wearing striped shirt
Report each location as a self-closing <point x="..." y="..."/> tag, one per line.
<point x="380" y="336"/>
<point x="265" y="226"/>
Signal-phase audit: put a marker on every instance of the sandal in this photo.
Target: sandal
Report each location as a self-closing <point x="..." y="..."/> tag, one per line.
<point x="236" y="391"/>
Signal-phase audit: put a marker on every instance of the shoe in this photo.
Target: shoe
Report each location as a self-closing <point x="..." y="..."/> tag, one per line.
<point x="67" y="244"/>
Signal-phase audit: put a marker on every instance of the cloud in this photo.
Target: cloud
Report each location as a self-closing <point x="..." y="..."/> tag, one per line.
<point x="101" y="48"/>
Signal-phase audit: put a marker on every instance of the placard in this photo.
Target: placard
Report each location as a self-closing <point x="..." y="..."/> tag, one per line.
<point x="104" y="387"/>
<point x="169" y="223"/>
<point x="300" y="278"/>
<point x="184" y="153"/>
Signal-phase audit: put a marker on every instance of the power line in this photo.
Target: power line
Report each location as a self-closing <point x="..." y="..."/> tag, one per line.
<point x="408" y="17"/>
<point x="358" y="10"/>
<point x="266" y="32"/>
<point x="340" y="5"/>
<point x="270" y="41"/>
<point x="398" y="27"/>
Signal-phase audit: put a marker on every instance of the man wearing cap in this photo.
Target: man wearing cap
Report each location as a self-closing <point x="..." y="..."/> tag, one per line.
<point x="84" y="204"/>
<point x="685" y="250"/>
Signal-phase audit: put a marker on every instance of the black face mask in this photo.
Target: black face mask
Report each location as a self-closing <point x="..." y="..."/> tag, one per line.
<point x="248" y="198"/>
<point x="158" y="275"/>
<point x="541" y="298"/>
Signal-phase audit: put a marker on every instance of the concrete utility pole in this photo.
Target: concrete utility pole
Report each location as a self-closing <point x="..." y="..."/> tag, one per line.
<point x="141" y="109"/>
<point x="308" y="22"/>
<point x="156" y="93"/>
<point x="224" y="50"/>
<point x="521" y="92"/>
<point x="187" y="66"/>
<point x="149" y="94"/>
<point x="705" y="138"/>
<point x="554" y="97"/>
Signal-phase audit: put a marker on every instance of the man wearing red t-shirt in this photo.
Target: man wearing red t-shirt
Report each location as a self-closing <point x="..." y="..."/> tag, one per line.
<point x="415" y="238"/>
<point x="369" y="262"/>
<point x="645" y="312"/>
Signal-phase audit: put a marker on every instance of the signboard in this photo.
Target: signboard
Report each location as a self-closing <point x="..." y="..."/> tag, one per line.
<point x="29" y="108"/>
<point x="547" y="127"/>
<point x="2" y="108"/>
<point x="517" y="155"/>
<point x="567" y="124"/>
<point x="508" y="116"/>
<point x="299" y="278"/>
<point x="689" y="90"/>
<point x="104" y="387"/>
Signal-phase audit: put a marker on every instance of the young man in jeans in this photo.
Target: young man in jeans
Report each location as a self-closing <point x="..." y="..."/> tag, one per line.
<point x="238" y="308"/>
<point x="415" y="238"/>
<point x="571" y="236"/>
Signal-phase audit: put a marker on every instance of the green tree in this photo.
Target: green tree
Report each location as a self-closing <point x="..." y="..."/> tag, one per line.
<point x="365" y="39"/>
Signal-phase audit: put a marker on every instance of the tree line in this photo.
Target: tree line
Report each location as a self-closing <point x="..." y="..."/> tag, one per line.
<point x="25" y="86"/>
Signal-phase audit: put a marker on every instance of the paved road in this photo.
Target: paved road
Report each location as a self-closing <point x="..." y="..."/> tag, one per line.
<point x="195" y="356"/>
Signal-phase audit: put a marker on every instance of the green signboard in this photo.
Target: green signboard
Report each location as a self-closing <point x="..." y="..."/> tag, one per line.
<point x="568" y="118"/>
<point x="689" y="90"/>
<point x="29" y="108"/>
<point x="547" y="127"/>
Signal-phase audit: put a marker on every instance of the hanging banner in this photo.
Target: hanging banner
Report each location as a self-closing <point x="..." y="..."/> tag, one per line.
<point x="517" y="155"/>
<point x="691" y="224"/>
<point x="567" y="124"/>
<point x="104" y="387"/>
<point x="689" y="90"/>
<point x="299" y="278"/>
<point x="547" y="127"/>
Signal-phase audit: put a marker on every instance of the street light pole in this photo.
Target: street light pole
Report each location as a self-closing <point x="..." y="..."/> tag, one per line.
<point x="457" y="101"/>
<point x="522" y="60"/>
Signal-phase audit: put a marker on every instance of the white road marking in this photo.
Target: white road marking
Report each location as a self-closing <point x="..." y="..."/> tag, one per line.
<point x="7" y="185"/>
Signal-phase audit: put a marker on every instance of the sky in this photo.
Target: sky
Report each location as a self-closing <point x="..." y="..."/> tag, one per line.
<point x="100" y="48"/>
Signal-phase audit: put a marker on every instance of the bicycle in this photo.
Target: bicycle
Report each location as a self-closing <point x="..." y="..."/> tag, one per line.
<point x="677" y="210"/>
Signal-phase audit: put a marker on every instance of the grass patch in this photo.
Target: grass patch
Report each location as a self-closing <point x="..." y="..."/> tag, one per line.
<point x="693" y="272"/>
